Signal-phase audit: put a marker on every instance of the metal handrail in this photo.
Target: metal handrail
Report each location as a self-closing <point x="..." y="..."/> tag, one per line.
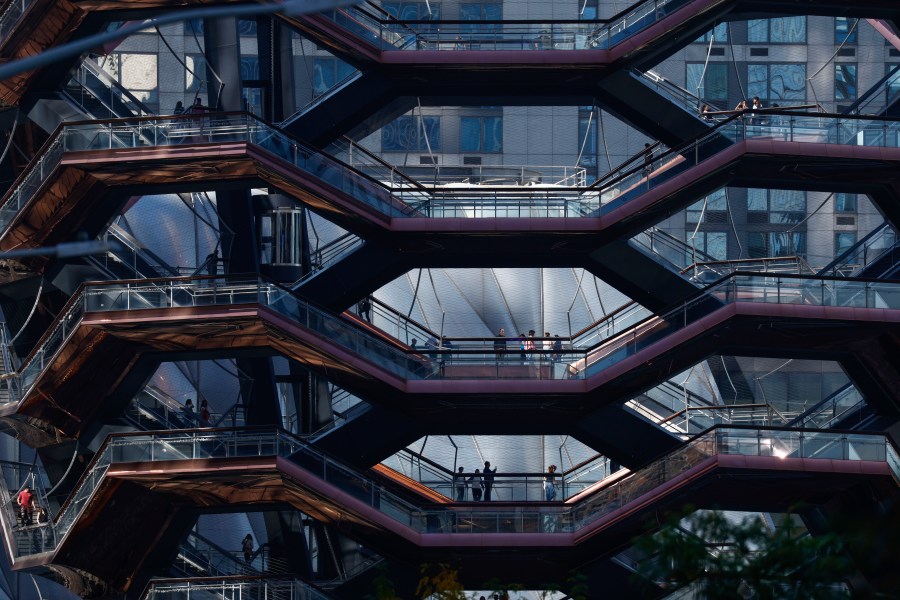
<point x="782" y="442"/>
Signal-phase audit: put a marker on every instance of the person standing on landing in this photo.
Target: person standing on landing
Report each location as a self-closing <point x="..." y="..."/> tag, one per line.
<point x="488" y="478"/>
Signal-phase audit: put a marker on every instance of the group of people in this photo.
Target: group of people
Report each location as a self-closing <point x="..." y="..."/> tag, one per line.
<point x="551" y="346"/>
<point x="481" y="482"/>
<point x="754" y="104"/>
<point x="196" y="108"/>
<point x="27" y="503"/>
<point x="706" y="111"/>
<point x="191" y="416"/>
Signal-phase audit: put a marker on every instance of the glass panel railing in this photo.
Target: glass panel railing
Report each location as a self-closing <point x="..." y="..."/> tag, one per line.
<point x="831" y="410"/>
<point x="587" y="474"/>
<point x="880" y="96"/>
<point x="486" y="202"/>
<point x="893" y="461"/>
<point x="614" y="190"/>
<point x="195" y="129"/>
<point x="868" y="251"/>
<point x="222" y="444"/>
<point x="708" y="272"/>
<point x="48" y="346"/>
<point x="11" y="15"/>
<point x="615" y="323"/>
<point x="391" y="321"/>
<point x="606" y="343"/>
<point x="201" y="556"/>
<point x="14" y="477"/>
<point x="329" y="254"/>
<point x="631" y="180"/>
<point x="232" y="589"/>
<point x="372" y="29"/>
<point x="739" y="287"/>
<point x="151" y="447"/>
<point x="527" y="487"/>
<point x="503" y="35"/>
<point x="101" y="96"/>
<point x="670" y="250"/>
<point x="677" y="94"/>
<point x="412" y="465"/>
<point x="320" y="98"/>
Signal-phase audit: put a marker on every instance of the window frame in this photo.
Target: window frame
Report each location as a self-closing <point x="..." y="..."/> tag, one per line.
<point x="482" y="134"/>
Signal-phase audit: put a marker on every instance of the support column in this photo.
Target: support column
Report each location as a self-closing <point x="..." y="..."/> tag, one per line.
<point x="235" y="207"/>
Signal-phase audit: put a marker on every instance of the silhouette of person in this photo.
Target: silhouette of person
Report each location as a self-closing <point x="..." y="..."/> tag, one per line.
<point x="488" y="479"/>
<point x="365" y="309"/>
<point x="500" y="344"/>
<point x="550" y="484"/>
<point x="247" y="547"/>
<point x="460" y="486"/>
<point x="477" y="485"/>
<point x="189" y="409"/>
<point x="212" y="262"/>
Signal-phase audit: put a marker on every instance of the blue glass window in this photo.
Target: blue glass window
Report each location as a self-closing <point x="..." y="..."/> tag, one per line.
<point x="716" y="203"/>
<point x="589" y="10"/>
<point x="713" y="243"/>
<point x="845" y="82"/>
<point x="777" y="82"/>
<point x="843" y="241"/>
<point x="715" y="84"/>
<point x="845" y="30"/>
<point x="249" y="68"/>
<point x="893" y="84"/>
<point x="328" y="72"/>
<point x="412" y="11"/>
<point x="783" y="206"/>
<point x="194" y="26"/>
<point x="782" y="30"/>
<point x="408" y="134"/>
<point x="719" y="34"/>
<point x="247" y="27"/>
<point x="845" y="203"/>
<point x="762" y="244"/>
<point x="480" y="11"/>
<point x="787" y="206"/>
<point x="587" y="139"/>
<point x="481" y="134"/>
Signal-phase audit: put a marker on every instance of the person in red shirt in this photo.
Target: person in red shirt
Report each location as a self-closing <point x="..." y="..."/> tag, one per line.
<point x="25" y="500"/>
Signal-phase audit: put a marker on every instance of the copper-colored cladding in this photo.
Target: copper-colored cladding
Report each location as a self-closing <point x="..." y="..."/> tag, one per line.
<point x="76" y="188"/>
<point x="245" y="481"/>
<point x="46" y="23"/>
<point x="50" y="23"/>
<point x="107" y="344"/>
<point x="731" y="481"/>
<point x="102" y="351"/>
<point x="75" y="191"/>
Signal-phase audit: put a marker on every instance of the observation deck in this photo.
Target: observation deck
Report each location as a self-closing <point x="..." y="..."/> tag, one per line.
<point x="737" y="468"/>
<point x="86" y="171"/>
<point x="106" y="327"/>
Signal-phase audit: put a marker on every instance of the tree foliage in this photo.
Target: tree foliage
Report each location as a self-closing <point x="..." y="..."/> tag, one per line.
<point x="441" y="582"/>
<point x="747" y="559"/>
